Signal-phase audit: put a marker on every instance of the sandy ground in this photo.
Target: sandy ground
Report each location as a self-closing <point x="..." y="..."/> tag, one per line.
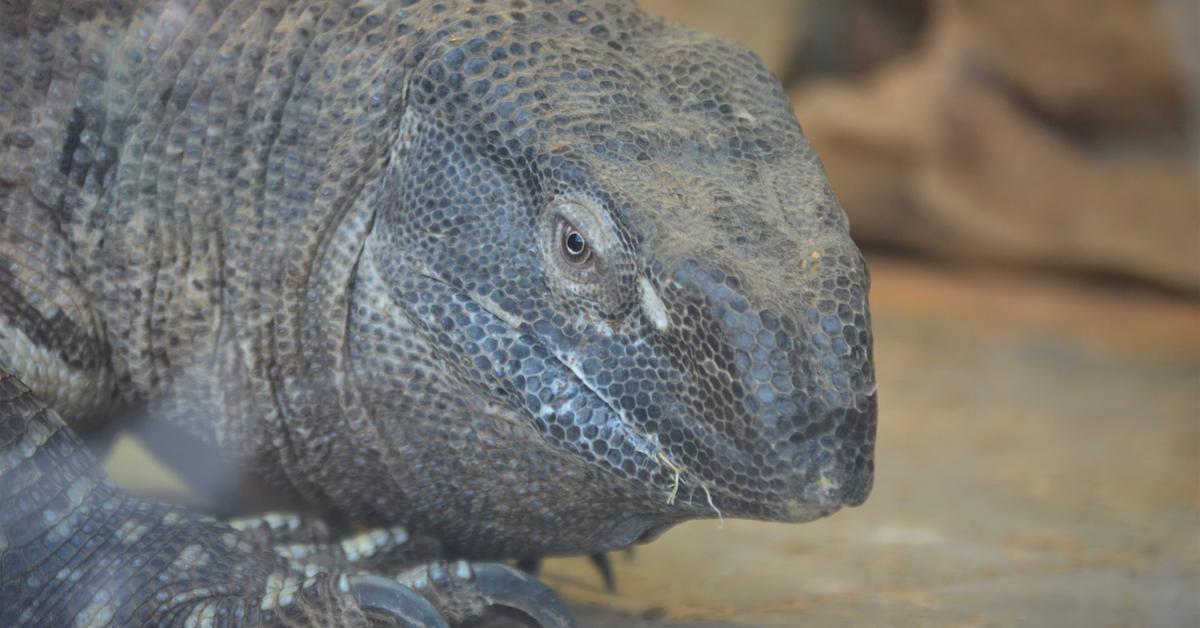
<point x="1038" y="463"/>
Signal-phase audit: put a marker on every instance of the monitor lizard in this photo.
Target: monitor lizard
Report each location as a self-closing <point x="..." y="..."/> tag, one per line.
<point x="439" y="283"/>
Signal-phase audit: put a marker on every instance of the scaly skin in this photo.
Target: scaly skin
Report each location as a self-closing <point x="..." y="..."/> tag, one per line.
<point x="496" y="280"/>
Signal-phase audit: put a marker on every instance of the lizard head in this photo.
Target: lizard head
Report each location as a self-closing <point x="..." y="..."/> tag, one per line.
<point x="620" y="293"/>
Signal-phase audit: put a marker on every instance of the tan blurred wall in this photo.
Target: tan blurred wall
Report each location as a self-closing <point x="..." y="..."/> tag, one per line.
<point x="769" y="27"/>
<point x="1057" y="135"/>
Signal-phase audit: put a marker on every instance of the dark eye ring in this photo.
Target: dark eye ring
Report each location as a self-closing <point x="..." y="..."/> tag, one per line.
<point x="574" y="246"/>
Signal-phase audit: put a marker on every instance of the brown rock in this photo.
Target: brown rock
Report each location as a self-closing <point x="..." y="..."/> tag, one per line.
<point x="771" y="28"/>
<point x="1089" y="61"/>
<point x="1023" y="132"/>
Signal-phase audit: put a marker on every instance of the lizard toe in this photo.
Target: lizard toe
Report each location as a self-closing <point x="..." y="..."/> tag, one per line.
<point x="386" y="600"/>
<point x="515" y="590"/>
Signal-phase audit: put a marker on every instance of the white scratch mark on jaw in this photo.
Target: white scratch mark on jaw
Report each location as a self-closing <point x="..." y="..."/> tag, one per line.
<point x="653" y="306"/>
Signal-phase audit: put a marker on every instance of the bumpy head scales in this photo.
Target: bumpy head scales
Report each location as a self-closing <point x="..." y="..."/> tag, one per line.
<point x="618" y="285"/>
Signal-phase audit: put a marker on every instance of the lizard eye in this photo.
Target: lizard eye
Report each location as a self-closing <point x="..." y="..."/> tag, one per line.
<point x="574" y="246"/>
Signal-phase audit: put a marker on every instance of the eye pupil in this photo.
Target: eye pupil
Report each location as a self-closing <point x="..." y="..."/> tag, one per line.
<point x="575" y="243"/>
<point x="573" y="246"/>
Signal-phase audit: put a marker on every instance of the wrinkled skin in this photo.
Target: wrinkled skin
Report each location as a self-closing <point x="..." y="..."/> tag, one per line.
<point x="527" y="278"/>
<point x="588" y="423"/>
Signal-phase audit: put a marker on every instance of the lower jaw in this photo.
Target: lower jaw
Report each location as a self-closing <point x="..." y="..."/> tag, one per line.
<point x="653" y="533"/>
<point x="802" y="512"/>
<point x="767" y="508"/>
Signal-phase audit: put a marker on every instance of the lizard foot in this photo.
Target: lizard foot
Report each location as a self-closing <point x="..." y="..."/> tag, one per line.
<point x="386" y="601"/>
<point x="467" y="593"/>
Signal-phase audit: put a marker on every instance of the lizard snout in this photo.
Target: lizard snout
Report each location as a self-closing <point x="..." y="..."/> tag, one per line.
<point x="794" y="399"/>
<point x="837" y="467"/>
<point x="844" y="484"/>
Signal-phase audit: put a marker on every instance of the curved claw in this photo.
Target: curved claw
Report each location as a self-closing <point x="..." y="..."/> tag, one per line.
<point x="504" y="586"/>
<point x="377" y="595"/>
<point x="604" y="566"/>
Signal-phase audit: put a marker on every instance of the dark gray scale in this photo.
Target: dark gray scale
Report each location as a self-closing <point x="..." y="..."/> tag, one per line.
<point x="636" y="207"/>
<point x="523" y="277"/>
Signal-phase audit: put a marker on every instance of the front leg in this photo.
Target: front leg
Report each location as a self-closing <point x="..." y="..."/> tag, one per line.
<point x="460" y="591"/>
<point x="75" y="549"/>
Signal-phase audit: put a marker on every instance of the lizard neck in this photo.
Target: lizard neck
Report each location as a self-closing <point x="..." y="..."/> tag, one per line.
<point x="242" y="147"/>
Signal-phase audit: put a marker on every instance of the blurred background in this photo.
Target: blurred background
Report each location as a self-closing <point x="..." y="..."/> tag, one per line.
<point x="1023" y="178"/>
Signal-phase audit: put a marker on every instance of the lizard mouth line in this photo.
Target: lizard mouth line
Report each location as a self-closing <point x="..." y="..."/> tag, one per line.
<point x="686" y="492"/>
<point x="647" y="445"/>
